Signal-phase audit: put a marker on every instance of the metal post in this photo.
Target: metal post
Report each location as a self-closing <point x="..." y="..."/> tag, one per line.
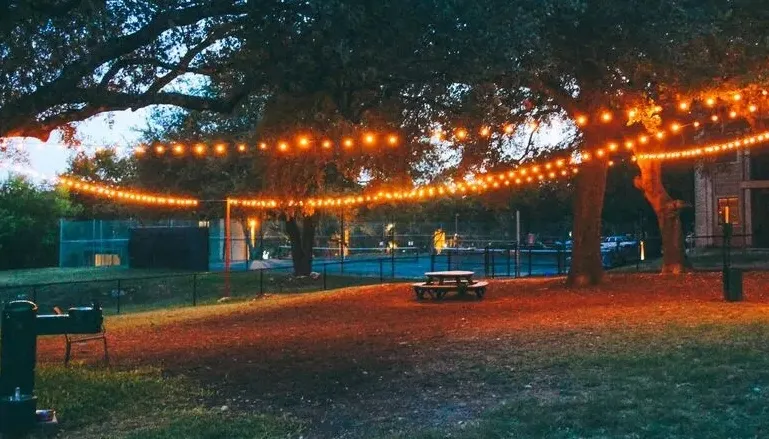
<point x="341" y="243"/>
<point x="517" y="243"/>
<point x="61" y="242"/>
<point x="118" y="296"/>
<point x="227" y="249"/>
<point x="508" y="260"/>
<point x="194" y="289"/>
<point x="530" y="251"/>
<point x="486" y="260"/>
<point x="493" y="266"/>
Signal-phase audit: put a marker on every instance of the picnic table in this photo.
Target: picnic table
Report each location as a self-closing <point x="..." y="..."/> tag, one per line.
<point x="439" y="283"/>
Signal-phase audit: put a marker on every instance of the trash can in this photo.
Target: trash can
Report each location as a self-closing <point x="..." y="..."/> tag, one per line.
<point x="733" y="285"/>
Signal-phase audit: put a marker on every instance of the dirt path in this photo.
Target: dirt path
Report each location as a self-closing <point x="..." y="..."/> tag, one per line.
<point x="358" y="362"/>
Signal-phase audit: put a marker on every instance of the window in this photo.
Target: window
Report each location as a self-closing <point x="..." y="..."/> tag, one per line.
<point x="728" y="210"/>
<point x="106" y="260"/>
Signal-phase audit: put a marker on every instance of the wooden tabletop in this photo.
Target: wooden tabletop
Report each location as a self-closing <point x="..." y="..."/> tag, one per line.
<point x="449" y="273"/>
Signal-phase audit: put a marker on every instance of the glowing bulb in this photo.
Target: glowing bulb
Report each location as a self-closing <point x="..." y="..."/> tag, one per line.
<point x="606" y="116"/>
<point x="392" y="140"/>
<point x="683" y="106"/>
<point x="581" y="120"/>
<point x="369" y="139"/>
<point x="220" y="148"/>
<point x="613" y="147"/>
<point x="461" y="134"/>
<point x="660" y="135"/>
<point x="262" y="146"/>
<point x="696" y="124"/>
<point x="753" y="108"/>
<point x="283" y="146"/>
<point x="632" y="113"/>
<point x="200" y="149"/>
<point x="326" y="144"/>
<point x="140" y="150"/>
<point x="714" y="118"/>
<point x="643" y="139"/>
<point x="304" y="142"/>
<point x="242" y="148"/>
<point x="675" y="127"/>
<point x="732" y="114"/>
<point x="509" y="129"/>
<point x="178" y="149"/>
<point x="348" y="143"/>
<point x="710" y="102"/>
<point x="737" y="97"/>
<point x="629" y="145"/>
<point x="485" y="131"/>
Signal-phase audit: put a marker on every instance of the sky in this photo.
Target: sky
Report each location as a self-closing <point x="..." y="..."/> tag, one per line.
<point x="46" y="160"/>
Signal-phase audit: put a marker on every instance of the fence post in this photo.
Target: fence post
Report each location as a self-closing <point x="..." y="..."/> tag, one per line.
<point x="493" y="266"/>
<point x="530" y="251"/>
<point x="261" y="281"/>
<point x="118" y="296"/>
<point x="486" y="261"/>
<point x="508" y="260"/>
<point x="381" y="271"/>
<point x="517" y="259"/>
<point x="194" y="289"/>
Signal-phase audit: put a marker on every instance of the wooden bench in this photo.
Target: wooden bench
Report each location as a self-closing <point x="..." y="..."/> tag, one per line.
<point x="439" y="291"/>
<point x="75" y="339"/>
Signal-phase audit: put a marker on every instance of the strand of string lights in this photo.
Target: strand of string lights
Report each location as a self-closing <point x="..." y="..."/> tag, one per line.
<point x="476" y="184"/>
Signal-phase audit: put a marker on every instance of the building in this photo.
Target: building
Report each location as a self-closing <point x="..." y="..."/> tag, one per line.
<point x="98" y="243"/>
<point x="734" y="188"/>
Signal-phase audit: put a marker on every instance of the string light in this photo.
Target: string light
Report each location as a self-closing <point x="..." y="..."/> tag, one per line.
<point x="125" y="195"/>
<point x="606" y="117"/>
<point x="392" y="140"/>
<point x="485" y="132"/>
<point x="220" y="149"/>
<point x="461" y="134"/>
<point x="741" y="143"/>
<point x="581" y="120"/>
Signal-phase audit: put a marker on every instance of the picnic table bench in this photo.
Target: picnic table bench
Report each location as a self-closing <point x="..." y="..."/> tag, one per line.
<point x="439" y="283"/>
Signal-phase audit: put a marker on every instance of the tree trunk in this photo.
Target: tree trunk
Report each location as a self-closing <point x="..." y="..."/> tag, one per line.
<point x="302" y="240"/>
<point x="586" y="262"/>
<point x="668" y="213"/>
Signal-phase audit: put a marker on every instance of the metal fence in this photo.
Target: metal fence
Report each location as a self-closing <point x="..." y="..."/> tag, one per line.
<point x="127" y="294"/>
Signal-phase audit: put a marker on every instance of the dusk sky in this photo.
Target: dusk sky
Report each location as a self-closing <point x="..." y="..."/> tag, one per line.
<point x="49" y="159"/>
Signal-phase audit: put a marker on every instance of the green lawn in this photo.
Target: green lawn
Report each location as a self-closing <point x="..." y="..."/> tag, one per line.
<point x="143" y="404"/>
<point x="143" y="290"/>
<point x="705" y="382"/>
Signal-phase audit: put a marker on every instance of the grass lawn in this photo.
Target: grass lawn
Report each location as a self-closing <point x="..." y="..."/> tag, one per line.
<point x="143" y="404"/>
<point x="143" y="290"/>
<point x="641" y="356"/>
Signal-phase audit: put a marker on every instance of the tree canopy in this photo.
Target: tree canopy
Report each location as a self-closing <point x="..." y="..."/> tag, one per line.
<point x="333" y="67"/>
<point x="29" y="228"/>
